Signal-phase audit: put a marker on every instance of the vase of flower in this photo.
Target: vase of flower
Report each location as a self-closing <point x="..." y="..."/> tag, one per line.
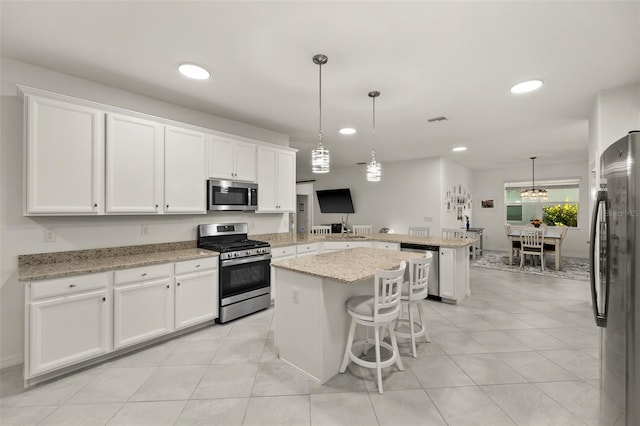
<point x="536" y="223"/>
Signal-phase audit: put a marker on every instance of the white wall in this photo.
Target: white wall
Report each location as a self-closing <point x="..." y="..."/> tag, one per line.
<point x="24" y="235"/>
<point x="490" y="185"/>
<point x="453" y="174"/>
<point x="408" y="193"/>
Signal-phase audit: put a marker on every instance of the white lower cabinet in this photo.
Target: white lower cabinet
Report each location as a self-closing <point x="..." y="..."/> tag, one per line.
<point x="196" y="293"/>
<point x="68" y="329"/>
<point x="142" y="311"/>
<point x="447" y="276"/>
<point x="280" y="253"/>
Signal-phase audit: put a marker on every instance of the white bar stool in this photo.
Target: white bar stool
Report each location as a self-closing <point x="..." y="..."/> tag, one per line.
<point x="413" y="292"/>
<point x="321" y="229"/>
<point x="377" y="311"/>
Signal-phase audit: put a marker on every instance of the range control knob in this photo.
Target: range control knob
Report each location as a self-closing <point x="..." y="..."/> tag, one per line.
<point x="248" y="252"/>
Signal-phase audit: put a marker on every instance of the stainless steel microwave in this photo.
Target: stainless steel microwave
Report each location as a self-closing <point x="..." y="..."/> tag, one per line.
<point x="231" y="195"/>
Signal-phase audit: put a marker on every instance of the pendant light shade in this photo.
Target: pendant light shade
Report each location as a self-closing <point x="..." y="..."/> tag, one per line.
<point x="320" y="158"/>
<point x="374" y="169"/>
<point x="533" y="194"/>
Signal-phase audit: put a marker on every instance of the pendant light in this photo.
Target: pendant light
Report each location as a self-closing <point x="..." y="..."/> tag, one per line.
<point x="320" y="155"/>
<point x="374" y="169"/>
<point x="533" y="194"/>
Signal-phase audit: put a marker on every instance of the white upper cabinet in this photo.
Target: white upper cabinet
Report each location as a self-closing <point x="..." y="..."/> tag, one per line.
<point x="135" y="165"/>
<point x="64" y="158"/>
<point x="231" y="160"/>
<point x="185" y="171"/>
<point x="276" y="180"/>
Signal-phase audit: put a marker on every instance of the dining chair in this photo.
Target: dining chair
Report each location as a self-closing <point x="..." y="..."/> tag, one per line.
<point x="419" y="231"/>
<point x="551" y="248"/>
<point x="362" y="229"/>
<point x="321" y="229"/>
<point x="531" y="241"/>
<point x="414" y="292"/>
<point x="515" y="245"/>
<point x="379" y="311"/>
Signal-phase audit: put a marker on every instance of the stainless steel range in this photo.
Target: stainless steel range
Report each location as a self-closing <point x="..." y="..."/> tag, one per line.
<point x="245" y="273"/>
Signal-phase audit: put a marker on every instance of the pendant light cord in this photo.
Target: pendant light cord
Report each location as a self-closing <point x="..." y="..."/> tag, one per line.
<point x="320" y="105"/>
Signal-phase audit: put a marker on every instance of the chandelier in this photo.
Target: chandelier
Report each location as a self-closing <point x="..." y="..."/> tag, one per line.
<point x="320" y="155"/>
<point x="374" y="169"/>
<point x="533" y="194"/>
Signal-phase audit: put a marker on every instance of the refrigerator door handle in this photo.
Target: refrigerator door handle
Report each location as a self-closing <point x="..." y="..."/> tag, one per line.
<point x="600" y="317"/>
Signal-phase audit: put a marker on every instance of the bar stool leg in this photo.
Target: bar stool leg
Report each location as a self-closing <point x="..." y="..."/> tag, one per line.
<point x="427" y="338"/>
<point x="412" y="331"/>
<point x="378" y="368"/>
<point x="347" y="351"/>
<point x="394" y="344"/>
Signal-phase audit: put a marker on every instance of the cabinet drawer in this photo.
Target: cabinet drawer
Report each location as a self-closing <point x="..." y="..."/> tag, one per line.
<point x="68" y="285"/>
<point x="283" y="251"/>
<point x="196" y="265"/>
<point x="343" y="245"/>
<point x="143" y="273"/>
<point x="387" y="246"/>
<point x="307" y="248"/>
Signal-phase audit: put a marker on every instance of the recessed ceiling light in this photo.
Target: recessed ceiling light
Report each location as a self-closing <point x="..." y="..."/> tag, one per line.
<point x="459" y="148"/>
<point x="194" y="71"/>
<point x="526" y="86"/>
<point x="347" y="131"/>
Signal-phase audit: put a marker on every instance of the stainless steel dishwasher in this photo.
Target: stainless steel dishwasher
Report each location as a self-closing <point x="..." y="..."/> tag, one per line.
<point x="434" y="281"/>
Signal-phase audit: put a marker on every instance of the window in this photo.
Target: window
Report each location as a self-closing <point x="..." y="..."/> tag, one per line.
<point x="561" y="208"/>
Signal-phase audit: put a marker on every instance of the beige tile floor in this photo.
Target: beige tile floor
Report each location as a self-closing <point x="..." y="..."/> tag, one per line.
<point x="523" y="349"/>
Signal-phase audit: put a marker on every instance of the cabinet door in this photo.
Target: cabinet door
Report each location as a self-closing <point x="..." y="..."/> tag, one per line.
<point x="286" y="181"/>
<point x="66" y="330"/>
<point x="64" y="158"/>
<point x="141" y="312"/>
<point x="221" y="158"/>
<point x="447" y="273"/>
<point x="245" y="161"/>
<point x="135" y="164"/>
<point x="196" y="298"/>
<point x="184" y="173"/>
<point x="267" y="173"/>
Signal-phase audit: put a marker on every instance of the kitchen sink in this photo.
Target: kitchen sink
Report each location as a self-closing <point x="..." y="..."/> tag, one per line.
<point x="346" y="237"/>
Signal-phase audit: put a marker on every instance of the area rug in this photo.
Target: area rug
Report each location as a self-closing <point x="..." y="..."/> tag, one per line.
<point x="573" y="268"/>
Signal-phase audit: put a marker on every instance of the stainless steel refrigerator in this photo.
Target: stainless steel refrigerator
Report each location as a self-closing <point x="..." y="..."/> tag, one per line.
<point x="615" y="264"/>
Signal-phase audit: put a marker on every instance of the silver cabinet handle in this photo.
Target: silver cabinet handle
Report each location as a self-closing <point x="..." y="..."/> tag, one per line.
<point x="197" y="266"/>
<point x="104" y="299"/>
<point x="156" y="206"/>
<point x="178" y="284"/>
<point x="72" y="285"/>
<point x="168" y="286"/>
<point x="144" y="274"/>
<point x="95" y="204"/>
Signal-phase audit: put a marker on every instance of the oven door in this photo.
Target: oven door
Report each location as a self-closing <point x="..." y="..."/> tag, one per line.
<point x="229" y="195"/>
<point x="244" y="278"/>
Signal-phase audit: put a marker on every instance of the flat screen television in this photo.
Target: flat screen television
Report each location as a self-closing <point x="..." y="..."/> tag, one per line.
<point x="335" y="200"/>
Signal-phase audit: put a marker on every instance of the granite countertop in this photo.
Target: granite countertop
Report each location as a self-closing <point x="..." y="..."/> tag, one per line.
<point x="287" y="239"/>
<point x="347" y="266"/>
<point x="32" y="267"/>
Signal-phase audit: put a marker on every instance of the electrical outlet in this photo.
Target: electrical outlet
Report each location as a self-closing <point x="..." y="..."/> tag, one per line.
<point x="295" y="295"/>
<point x="144" y="230"/>
<point x="49" y="236"/>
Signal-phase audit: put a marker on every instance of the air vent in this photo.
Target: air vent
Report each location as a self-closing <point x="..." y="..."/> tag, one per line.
<point x="436" y="119"/>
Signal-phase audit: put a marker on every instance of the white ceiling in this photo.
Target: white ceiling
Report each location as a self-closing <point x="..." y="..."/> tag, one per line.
<point x="428" y="59"/>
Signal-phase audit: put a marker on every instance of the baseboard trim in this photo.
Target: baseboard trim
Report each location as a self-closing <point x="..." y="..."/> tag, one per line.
<point x="10" y="361"/>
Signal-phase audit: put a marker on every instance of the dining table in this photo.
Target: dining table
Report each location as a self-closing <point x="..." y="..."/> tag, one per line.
<point x="551" y="237"/>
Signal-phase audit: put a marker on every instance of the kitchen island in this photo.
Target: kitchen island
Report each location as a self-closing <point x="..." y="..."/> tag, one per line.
<point x="311" y="319"/>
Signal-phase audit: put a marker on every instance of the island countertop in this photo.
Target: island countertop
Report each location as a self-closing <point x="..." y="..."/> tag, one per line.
<point x="287" y="239"/>
<point x="347" y="266"/>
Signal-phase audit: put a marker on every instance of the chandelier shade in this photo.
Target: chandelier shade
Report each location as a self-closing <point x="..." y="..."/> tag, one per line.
<point x="374" y="169"/>
<point x="533" y="194"/>
<point x="320" y="158"/>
